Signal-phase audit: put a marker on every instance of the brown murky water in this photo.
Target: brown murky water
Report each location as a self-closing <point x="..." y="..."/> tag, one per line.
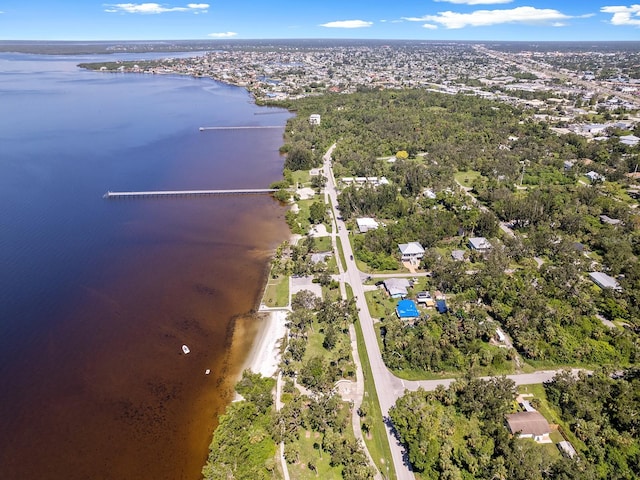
<point x="110" y="393"/>
<point x="96" y="296"/>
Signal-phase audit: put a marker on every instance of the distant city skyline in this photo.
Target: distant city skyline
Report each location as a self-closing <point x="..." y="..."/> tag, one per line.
<point x="482" y="20"/>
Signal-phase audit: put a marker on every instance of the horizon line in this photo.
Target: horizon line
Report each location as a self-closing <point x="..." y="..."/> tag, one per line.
<point x="222" y="40"/>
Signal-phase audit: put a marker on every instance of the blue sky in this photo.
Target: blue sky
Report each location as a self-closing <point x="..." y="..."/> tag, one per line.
<point x="375" y="19"/>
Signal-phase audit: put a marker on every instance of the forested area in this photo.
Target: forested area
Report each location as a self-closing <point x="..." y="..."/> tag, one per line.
<point x="517" y="171"/>
<point x="444" y="343"/>
<point x="602" y="411"/>
<point x="460" y="433"/>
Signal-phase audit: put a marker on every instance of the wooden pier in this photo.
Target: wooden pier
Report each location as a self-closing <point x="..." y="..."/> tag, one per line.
<point x="187" y="193"/>
<point x="256" y="127"/>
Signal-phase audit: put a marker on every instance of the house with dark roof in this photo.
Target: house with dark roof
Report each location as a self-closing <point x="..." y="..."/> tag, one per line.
<point x="530" y="425"/>
<point x="441" y="306"/>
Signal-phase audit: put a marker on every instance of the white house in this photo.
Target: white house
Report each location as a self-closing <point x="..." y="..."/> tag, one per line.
<point x="630" y="140"/>
<point x="411" y="252"/>
<point x="479" y="244"/>
<point x="314" y="119"/>
<point x="530" y="425"/>
<point x="594" y="176"/>
<point x="397" y="287"/>
<point x="365" y="224"/>
<point x="605" y="281"/>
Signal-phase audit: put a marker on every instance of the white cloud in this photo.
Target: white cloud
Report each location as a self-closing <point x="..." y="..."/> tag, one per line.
<point x="475" y="2"/>
<point x="347" y="24"/>
<point x="623" y="15"/>
<point x="222" y="35"/>
<point x="154" y="8"/>
<point x="483" y="18"/>
<point x="430" y="26"/>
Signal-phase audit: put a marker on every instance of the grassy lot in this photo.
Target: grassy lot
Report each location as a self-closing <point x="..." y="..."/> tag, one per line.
<point x="380" y="304"/>
<point x="301" y="177"/>
<point x="276" y="294"/>
<point x="309" y="453"/>
<point x="322" y="244"/>
<point x="332" y="264"/>
<point x="467" y="178"/>
<point x="303" y="214"/>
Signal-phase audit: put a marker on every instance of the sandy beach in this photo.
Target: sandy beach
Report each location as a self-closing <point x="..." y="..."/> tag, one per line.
<point x="264" y="357"/>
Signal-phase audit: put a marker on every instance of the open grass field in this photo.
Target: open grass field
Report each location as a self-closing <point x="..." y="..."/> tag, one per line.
<point x="276" y="293"/>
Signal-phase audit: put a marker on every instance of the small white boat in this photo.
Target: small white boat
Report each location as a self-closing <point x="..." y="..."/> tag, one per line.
<point x="185" y="349"/>
<point x="207" y="371"/>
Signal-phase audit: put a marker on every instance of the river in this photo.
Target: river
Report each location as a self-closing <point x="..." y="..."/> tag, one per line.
<point x="97" y="296"/>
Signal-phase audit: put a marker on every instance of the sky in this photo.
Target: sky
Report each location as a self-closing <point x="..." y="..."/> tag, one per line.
<point x="530" y="20"/>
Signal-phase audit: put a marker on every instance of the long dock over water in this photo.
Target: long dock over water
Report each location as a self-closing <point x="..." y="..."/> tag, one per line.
<point x="256" y="127"/>
<point x="187" y="193"/>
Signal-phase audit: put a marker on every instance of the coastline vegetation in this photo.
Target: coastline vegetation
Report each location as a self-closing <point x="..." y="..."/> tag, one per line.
<point x="459" y="167"/>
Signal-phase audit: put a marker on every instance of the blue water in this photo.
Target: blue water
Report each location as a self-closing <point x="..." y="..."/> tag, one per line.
<point x="95" y="292"/>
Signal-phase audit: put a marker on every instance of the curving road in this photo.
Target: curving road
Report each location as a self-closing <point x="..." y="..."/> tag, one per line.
<point x="388" y="386"/>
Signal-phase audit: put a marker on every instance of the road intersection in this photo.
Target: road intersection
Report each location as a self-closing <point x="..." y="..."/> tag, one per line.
<point x="388" y="386"/>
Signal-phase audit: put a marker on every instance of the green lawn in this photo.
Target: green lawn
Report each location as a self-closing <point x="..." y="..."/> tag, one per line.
<point x="303" y="214"/>
<point x="276" y="294"/>
<point x="380" y="304"/>
<point x="301" y="177"/>
<point x="322" y="244"/>
<point x="309" y="453"/>
<point x="467" y="178"/>
<point x="341" y="253"/>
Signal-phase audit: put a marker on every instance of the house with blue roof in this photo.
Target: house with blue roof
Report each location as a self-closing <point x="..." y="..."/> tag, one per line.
<point x="407" y="310"/>
<point x="441" y="306"/>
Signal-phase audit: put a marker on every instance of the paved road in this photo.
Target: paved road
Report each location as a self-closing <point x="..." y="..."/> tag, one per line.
<point x="388" y="386"/>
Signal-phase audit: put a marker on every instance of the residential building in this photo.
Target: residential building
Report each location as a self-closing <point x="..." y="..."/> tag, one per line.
<point x="479" y="244"/>
<point x="426" y="299"/>
<point x="411" y="252"/>
<point x="610" y="221"/>
<point x="458" y="255"/>
<point x="365" y="224"/>
<point x="397" y="287"/>
<point x="530" y="425"/>
<point x="605" y="281"/>
<point x="407" y="310"/>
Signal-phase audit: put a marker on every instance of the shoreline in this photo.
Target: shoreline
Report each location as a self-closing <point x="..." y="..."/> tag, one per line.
<point x="265" y="352"/>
